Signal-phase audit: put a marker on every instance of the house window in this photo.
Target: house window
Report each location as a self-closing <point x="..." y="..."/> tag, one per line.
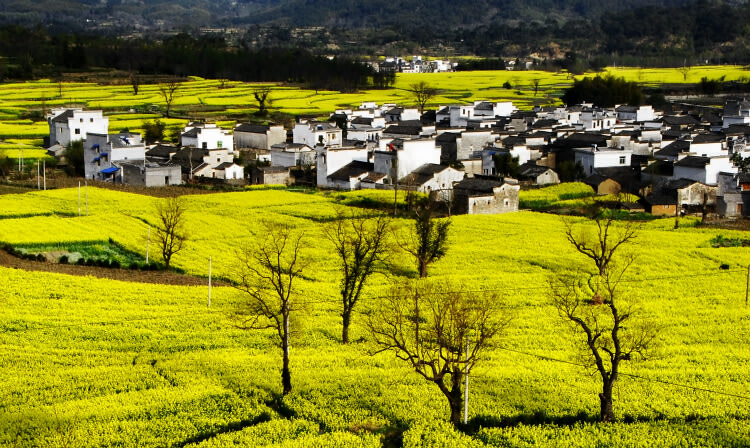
<point x="205" y="145"/>
<point x="506" y="202"/>
<point x="219" y="144"/>
<point x="166" y="180"/>
<point x="78" y="131"/>
<point x="91" y="120"/>
<point x="81" y="120"/>
<point x="622" y="160"/>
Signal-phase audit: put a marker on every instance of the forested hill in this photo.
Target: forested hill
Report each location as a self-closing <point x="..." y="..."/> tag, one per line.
<point x="573" y="34"/>
<point x="439" y="14"/>
<point x="434" y="14"/>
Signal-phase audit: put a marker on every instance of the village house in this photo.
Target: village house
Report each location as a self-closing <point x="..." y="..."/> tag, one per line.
<point x="537" y="174"/>
<point x="733" y="192"/>
<point x="150" y="174"/>
<point x="399" y="157"/>
<point x="209" y="163"/>
<point x="67" y="125"/>
<point x="312" y="133"/>
<point x="681" y="196"/>
<point x="292" y="154"/>
<point x="481" y="195"/>
<point x="601" y="157"/>
<point x="736" y="112"/>
<point x="102" y="154"/>
<point x="330" y="159"/>
<point x="433" y="178"/>
<point x="635" y="113"/>
<point x="271" y="175"/>
<point x="207" y="136"/>
<point x="702" y="169"/>
<point x="255" y="136"/>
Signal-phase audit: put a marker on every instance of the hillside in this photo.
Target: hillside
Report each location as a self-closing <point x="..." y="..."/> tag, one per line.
<point x="438" y="14"/>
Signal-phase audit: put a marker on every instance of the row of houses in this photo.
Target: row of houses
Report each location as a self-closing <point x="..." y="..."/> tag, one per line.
<point x="677" y="160"/>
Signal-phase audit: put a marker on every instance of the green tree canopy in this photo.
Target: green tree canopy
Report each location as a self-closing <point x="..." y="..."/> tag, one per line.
<point x="604" y="91"/>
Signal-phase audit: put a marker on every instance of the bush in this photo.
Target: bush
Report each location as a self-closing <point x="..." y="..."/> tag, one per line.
<point x="63" y="259"/>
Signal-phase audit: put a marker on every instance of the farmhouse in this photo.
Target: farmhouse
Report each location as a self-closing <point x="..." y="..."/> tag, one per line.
<point x="150" y="174"/>
<point x="207" y="136"/>
<point x="102" y="154"/>
<point x="484" y="195"/>
<point x="67" y="125"/>
<point x="432" y="177"/>
<point x="254" y="136"/>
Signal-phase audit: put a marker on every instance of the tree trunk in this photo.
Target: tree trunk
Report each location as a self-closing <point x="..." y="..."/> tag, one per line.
<point x="422" y="269"/>
<point x="346" y="315"/>
<point x="455" y="397"/>
<point x="605" y="399"/>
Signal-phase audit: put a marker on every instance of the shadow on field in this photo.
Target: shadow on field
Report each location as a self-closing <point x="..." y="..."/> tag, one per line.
<point x="229" y="427"/>
<point x="533" y="418"/>
<point x="694" y="427"/>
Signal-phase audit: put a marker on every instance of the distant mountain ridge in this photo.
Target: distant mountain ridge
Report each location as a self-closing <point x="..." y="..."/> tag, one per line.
<point x="398" y="14"/>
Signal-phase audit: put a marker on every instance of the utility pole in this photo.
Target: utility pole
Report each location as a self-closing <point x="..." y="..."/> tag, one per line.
<point x="148" y="240"/>
<point x="79" y="198"/>
<point x="86" y="192"/>
<point x="44" y="171"/>
<point x="466" y="387"/>
<point x="38" y="186"/>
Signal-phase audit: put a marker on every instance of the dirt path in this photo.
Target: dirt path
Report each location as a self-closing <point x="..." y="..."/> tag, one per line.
<point x="159" y="277"/>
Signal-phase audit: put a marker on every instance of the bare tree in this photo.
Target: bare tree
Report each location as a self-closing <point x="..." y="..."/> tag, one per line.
<point x="535" y="83"/>
<point x="170" y="230"/>
<point x="267" y="276"/>
<point x="598" y="310"/>
<point x="261" y="94"/>
<point x="360" y="244"/>
<point x="428" y="240"/>
<point x="422" y="93"/>
<point x="168" y="91"/>
<point x="442" y="334"/>
<point x="685" y="70"/>
<point x="135" y="83"/>
<point x="601" y="246"/>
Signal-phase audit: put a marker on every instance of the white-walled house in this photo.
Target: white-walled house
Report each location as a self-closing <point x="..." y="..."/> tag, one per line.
<point x="312" y="133"/>
<point x="229" y="171"/>
<point x="331" y="159"/>
<point x="598" y="119"/>
<point x="214" y="163"/>
<point x="207" y="136"/>
<point x="471" y="143"/>
<point x="432" y="177"/>
<point x="596" y="157"/>
<point x="399" y="157"/>
<point x="364" y="133"/>
<point x="102" y="152"/>
<point x="708" y="145"/>
<point x="292" y="154"/>
<point x="703" y="169"/>
<point x="635" y="113"/>
<point x="67" y="125"/>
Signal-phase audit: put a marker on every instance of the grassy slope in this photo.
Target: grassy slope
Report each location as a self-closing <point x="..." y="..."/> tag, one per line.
<point x="161" y="369"/>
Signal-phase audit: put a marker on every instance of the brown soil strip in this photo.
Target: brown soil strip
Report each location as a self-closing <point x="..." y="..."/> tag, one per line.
<point x="158" y="277"/>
